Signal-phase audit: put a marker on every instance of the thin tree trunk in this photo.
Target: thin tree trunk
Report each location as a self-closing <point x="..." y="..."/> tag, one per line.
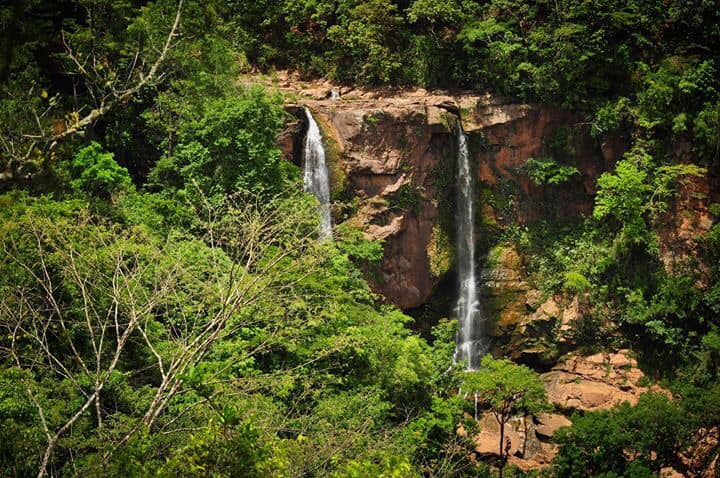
<point x="502" y="440"/>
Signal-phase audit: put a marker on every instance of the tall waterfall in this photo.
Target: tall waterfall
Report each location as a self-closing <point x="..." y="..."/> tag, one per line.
<point x="472" y="337"/>
<point x="315" y="177"/>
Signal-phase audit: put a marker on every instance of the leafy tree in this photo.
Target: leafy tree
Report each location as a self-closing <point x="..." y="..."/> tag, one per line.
<point x="226" y="448"/>
<point x="575" y="282"/>
<point x="547" y="171"/>
<point x="114" y="53"/>
<point x="507" y="390"/>
<point x="622" y="195"/>
<point x="231" y="149"/>
<point x="97" y="173"/>
<point x="125" y="300"/>
<point x="389" y="467"/>
<point x="364" y="38"/>
<point x="707" y="131"/>
<point x="624" y="440"/>
<point x="639" y="190"/>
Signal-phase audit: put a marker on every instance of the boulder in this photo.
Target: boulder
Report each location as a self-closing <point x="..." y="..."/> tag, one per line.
<point x="488" y="440"/>
<point x="548" y="423"/>
<point x="504" y="287"/>
<point x="701" y="458"/>
<point x="527" y="449"/>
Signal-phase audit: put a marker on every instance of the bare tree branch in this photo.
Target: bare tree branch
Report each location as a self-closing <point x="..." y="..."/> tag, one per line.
<point x="122" y="296"/>
<point x="19" y="150"/>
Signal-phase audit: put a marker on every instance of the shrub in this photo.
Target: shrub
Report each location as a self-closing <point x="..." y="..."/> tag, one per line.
<point x="575" y="282"/>
<point x="96" y="173"/>
<point x="546" y="171"/>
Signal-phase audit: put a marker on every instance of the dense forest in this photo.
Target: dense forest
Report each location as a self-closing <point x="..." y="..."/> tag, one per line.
<point x="168" y="309"/>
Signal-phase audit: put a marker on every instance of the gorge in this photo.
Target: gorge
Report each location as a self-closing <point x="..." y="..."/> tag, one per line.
<point x="391" y="147"/>
<point x="360" y="238"/>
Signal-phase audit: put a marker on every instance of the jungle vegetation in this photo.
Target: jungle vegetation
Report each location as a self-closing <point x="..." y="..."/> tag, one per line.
<point x="166" y="308"/>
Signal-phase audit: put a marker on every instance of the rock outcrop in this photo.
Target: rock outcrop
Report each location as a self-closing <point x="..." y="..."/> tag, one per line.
<point x="529" y="445"/>
<point x="393" y="153"/>
<point x="595" y="382"/>
<point x="701" y="459"/>
<point x="577" y="383"/>
<point x="530" y="327"/>
<point x="685" y="225"/>
<point x="386" y="154"/>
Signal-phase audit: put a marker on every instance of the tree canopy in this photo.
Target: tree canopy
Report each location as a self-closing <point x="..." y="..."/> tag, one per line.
<point x="167" y="310"/>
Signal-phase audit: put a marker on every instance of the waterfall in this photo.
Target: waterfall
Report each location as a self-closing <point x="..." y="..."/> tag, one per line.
<point x="315" y="177"/>
<point x="472" y="337"/>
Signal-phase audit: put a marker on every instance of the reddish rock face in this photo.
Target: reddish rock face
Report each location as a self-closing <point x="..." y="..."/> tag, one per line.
<point x="514" y="133"/>
<point x="595" y="382"/>
<point x="396" y="154"/>
<point x="685" y="225"/>
<point x="386" y="152"/>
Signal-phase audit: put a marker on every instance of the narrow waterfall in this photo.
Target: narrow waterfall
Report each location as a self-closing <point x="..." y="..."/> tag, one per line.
<point x="315" y="177"/>
<point x="472" y="337"/>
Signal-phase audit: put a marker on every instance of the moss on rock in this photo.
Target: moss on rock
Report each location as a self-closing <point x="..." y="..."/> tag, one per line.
<point x="440" y="252"/>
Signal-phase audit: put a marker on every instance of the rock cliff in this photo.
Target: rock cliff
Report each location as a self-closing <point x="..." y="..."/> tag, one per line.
<point x="392" y="156"/>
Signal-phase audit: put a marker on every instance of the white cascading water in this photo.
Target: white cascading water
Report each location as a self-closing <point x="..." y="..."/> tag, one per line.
<point x="472" y="337"/>
<point x="315" y="177"/>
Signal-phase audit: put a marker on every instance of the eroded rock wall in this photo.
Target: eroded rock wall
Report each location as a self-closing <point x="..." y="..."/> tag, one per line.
<point x="393" y="158"/>
<point x="384" y="156"/>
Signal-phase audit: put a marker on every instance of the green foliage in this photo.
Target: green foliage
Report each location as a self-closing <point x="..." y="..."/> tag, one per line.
<point x="389" y="467"/>
<point x="440" y="252"/>
<point x="671" y="88"/>
<point x="575" y="282"/>
<point x="362" y="39"/>
<point x="406" y="198"/>
<point x="622" y="195"/>
<point x="707" y="131"/>
<point x="547" y="171"/>
<point x="639" y="189"/>
<point x="711" y="342"/>
<point x="624" y="440"/>
<point x="352" y="242"/>
<point x="20" y="428"/>
<point x="97" y="174"/>
<point x="158" y="212"/>
<point x="669" y="315"/>
<point x="506" y="388"/>
<point x="342" y="370"/>
<point x="230" y="149"/>
<point x="608" y="118"/>
<point x="560" y="249"/>
<point x="312" y="375"/>
<point x="224" y="449"/>
<point x="436" y="446"/>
